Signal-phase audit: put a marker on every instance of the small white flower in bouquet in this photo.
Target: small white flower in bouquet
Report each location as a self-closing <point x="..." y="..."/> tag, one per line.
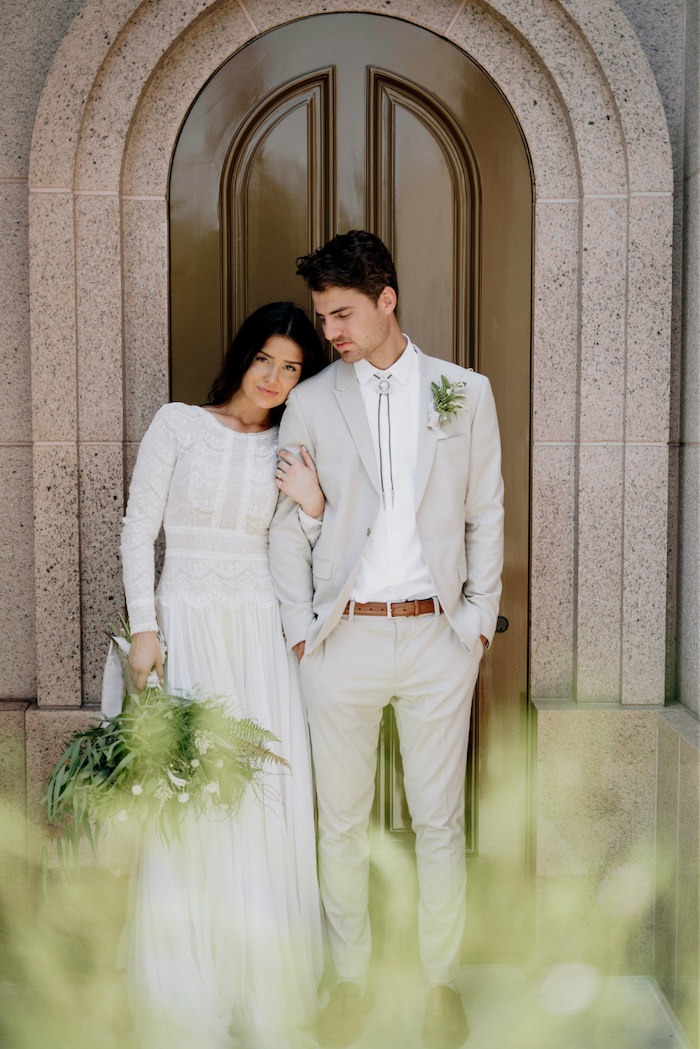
<point x="161" y="753"/>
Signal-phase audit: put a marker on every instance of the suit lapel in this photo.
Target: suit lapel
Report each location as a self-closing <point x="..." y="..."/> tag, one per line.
<point x="347" y="392"/>
<point x="427" y="441"/>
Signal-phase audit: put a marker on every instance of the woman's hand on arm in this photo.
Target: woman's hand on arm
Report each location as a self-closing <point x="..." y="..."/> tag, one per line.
<point x="297" y="478"/>
<point x="144" y="656"/>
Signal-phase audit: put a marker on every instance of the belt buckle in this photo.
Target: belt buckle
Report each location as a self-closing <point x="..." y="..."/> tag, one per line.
<point x="389" y="610"/>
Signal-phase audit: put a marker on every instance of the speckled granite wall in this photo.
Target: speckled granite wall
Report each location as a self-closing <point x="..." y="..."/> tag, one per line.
<point x="617" y="811"/>
<point x="600" y="153"/>
<point x="677" y="915"/>
<point x="13" y="793"/>
<point x="604" y="370"/>
<point x="100" y="158"/>
<point x="689" y="473"/>
<point x="595" y="788"/>
<point x="31" y="34"/>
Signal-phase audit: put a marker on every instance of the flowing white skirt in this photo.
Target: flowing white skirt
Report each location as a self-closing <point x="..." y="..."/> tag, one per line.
<point x="225" y="937"/>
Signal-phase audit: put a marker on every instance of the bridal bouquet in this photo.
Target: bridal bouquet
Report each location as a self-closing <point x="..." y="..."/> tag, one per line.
<point x="164" y="753"/>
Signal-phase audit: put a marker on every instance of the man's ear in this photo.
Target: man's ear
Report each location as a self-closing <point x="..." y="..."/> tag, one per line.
<point x="387" y="299"/>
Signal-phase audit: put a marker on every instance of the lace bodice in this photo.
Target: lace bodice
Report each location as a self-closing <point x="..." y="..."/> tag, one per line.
<point x="213" y="490"/>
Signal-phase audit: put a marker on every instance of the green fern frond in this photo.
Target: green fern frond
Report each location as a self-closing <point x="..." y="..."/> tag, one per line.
<point x="144" y="762"/>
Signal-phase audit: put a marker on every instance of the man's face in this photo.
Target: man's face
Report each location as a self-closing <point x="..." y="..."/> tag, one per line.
<point x="358" y="328"/>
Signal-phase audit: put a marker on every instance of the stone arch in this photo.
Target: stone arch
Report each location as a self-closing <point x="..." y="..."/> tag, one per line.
<point x="581" y="88"/>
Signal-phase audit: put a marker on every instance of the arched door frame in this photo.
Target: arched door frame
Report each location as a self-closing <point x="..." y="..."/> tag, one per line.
<point x="582" y="90"/>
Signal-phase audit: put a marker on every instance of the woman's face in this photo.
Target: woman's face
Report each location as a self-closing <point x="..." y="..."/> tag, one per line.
<point x="273" y="372"/>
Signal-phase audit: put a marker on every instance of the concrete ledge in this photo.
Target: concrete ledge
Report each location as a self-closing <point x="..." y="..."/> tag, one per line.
<point x="677" y="919"/>
<point x="594" y="794"/>
<point x="617" y="813"/>
<point x="13" y="796"/>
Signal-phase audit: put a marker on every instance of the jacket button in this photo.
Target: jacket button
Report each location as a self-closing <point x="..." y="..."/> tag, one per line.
<point x="369" y="531"/>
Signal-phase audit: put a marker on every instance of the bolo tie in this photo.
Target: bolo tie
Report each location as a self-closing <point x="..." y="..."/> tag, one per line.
<point x="383" y="388"/>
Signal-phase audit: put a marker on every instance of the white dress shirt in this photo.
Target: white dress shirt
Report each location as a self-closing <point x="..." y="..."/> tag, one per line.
<point x="393" y="567"/>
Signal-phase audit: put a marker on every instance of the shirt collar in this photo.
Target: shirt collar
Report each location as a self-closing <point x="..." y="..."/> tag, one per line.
<point x="401" y="370"/>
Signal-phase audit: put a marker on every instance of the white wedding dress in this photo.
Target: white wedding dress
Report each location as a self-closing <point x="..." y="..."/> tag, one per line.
<point x="224" y="940"/>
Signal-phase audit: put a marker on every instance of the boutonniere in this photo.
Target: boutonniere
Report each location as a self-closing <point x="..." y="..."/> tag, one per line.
<point x="447" y="400"/>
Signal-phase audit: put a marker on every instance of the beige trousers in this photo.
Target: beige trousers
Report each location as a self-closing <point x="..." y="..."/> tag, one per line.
<point x="420" y="666"/>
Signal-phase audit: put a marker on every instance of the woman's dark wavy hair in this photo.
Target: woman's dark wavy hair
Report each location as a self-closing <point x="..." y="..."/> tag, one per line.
<point x="356" y="259"/>
<point x="275" y="318"/>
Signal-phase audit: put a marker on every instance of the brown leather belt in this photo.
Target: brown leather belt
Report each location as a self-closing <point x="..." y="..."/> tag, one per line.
<point x="425" y="606"/>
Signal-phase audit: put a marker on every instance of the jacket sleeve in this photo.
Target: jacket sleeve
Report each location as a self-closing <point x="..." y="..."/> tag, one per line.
<point x="483" y="514"/>
<point x="290" y="547"/>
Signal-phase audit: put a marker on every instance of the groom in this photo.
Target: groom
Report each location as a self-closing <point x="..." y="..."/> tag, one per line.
<point x="395" y="604"/>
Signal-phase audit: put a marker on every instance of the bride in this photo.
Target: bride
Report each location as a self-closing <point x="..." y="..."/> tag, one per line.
<point x="224" y="943"/>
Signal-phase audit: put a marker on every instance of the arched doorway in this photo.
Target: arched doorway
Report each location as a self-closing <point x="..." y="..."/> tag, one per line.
<point x="341" y="121"/>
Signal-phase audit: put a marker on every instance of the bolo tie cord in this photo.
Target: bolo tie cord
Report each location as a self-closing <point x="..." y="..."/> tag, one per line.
<point x="384" y="393"/>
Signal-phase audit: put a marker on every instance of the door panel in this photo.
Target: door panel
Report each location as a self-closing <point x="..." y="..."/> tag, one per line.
<point x="347" y="121"/>
<point x="276" y="179"/>
<point x="423" y="202"/>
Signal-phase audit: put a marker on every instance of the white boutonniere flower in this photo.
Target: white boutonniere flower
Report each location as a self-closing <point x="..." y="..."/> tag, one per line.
<point x="447" y="400"/>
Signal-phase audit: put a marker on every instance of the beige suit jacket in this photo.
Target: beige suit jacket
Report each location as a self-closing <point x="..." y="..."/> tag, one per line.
<point x="458" y="508"/>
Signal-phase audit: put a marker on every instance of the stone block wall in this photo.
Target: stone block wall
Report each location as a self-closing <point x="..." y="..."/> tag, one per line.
<point x="617" y="810"/>
<point x="614" y="515"/>
<point x="595" y="785"/>
<point x="677" y="917"/>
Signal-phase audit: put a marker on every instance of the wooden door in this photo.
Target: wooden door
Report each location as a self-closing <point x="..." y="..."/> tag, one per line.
<point x="347" y="121"/>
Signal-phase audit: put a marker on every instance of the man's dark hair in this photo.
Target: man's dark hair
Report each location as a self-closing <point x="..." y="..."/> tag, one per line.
<point x="356" y="259"/>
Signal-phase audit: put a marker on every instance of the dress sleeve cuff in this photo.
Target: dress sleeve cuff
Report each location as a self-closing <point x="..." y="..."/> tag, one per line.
<point x="311" y="526"/>
<point x="144" y="626"/>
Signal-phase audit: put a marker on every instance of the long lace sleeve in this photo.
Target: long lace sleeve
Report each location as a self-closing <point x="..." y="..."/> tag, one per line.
<point x="148" y="494"/>
<point x="311" y="526"/>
